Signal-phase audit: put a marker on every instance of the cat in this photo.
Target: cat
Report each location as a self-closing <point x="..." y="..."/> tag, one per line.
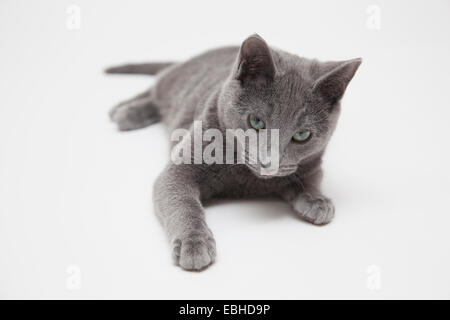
<point x="252" y="86"/>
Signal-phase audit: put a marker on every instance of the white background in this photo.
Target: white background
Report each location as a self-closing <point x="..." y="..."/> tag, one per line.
<point x="75" y="192"/>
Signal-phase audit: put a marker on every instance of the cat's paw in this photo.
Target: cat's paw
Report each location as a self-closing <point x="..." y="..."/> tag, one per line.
<point x="195" y="251"/>
<point x="134" y="115"/>
<point x="125" y="117"/>
<point x="315" y="209"/>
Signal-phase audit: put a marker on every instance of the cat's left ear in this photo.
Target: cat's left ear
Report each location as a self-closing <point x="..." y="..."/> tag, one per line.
<point x="332" y="85"/>
<point x="255" y="64"/>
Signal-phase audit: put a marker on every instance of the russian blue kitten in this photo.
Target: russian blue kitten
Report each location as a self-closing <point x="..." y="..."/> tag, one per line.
<point x="224" y="88"/>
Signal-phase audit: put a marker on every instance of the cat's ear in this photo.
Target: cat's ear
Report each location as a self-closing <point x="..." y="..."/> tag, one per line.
<point x="333" y="83"/>
<point x="255" y="63"/>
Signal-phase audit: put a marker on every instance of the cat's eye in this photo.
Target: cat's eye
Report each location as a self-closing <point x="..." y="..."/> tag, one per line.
<point x="256" y="122"/>
<point x="302" y="136"/>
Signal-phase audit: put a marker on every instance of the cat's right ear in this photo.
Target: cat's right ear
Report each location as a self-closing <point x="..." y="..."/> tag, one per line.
<point x="255" y="64"/>
<point x="332" y="85"/>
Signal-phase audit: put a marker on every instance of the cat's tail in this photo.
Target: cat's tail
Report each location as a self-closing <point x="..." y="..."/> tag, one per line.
<point x="143" y="68"/>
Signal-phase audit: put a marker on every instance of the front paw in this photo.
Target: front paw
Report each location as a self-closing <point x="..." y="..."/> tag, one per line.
<point x="318" y="210"/>
<point x="195" y="251"/>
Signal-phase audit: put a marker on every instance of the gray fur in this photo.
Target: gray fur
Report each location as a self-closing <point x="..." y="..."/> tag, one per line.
<point x="221" y="88"/>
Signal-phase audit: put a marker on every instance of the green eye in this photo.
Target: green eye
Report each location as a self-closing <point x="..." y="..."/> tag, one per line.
<point x="256" y="122"/>
<point x="302" y="136"/>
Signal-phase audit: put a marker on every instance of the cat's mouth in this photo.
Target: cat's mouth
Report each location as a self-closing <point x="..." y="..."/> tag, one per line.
<point x="269" y="169"/>
<point x="266" y="172"/>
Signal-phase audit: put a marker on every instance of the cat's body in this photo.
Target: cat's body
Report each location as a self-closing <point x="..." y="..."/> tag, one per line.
<point x="221" y="88"/>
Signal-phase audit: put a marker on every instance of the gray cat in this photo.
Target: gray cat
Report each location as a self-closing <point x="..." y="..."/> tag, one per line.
<point x="251" y="86"/>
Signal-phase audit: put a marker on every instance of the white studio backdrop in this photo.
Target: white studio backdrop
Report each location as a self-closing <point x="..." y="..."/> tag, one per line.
<point x="76" y="218"/>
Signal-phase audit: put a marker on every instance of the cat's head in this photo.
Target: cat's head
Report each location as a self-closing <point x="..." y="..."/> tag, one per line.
<point x="272" y="89"/>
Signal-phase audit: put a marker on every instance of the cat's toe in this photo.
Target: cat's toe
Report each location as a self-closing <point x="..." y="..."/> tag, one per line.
<point x="195" y="252"/>
<point x="318" y="210"/>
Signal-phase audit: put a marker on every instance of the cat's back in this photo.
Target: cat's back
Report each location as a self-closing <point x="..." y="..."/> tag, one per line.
<point x="186" y="86"/>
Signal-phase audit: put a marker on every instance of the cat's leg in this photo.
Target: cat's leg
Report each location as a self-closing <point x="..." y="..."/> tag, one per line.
<point x="177" y="203"/>
<point x="136" y="113"/>
<point x="309" y="202"/>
